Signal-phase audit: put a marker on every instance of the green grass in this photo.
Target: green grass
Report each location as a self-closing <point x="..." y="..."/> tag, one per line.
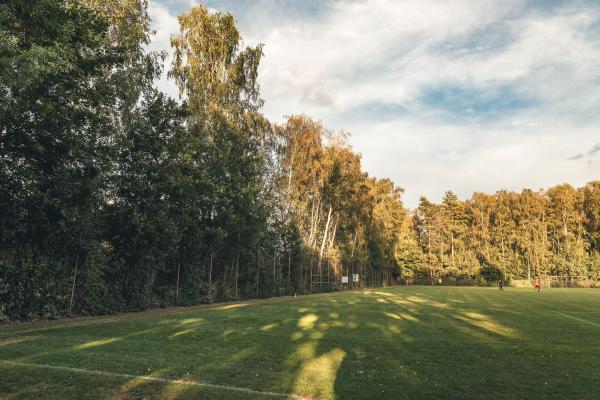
<point x="401" y="342"/>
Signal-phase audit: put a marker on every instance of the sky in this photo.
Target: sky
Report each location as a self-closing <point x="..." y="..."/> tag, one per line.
<point x="468" y="96"/>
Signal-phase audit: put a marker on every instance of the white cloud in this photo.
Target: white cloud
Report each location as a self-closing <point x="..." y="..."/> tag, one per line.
<point x="360" y="53"/>
<point x="436" y="157"/>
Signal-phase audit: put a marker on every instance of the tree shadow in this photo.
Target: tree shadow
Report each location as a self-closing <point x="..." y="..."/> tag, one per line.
<point x="381" y="343"/>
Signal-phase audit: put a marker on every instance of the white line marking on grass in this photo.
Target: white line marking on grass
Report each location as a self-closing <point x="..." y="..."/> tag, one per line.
<point x="578" y="319"/>
<point x="152" y="379"/>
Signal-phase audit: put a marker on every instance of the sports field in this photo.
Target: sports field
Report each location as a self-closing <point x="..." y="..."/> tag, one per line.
<point x="394" y="343"/>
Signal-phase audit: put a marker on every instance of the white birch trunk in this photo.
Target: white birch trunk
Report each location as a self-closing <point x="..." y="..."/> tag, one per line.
<point x="324" y="239"/>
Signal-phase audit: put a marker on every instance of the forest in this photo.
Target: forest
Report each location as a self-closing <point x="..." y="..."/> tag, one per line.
<point x="116" y="197"/>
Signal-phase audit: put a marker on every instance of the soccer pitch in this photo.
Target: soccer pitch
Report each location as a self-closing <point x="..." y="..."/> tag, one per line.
<point x="393" y="343"/>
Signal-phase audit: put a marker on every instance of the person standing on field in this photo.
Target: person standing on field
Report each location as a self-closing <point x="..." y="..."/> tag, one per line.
<point x="500" y="284"/>
<point x="538" y="284"/>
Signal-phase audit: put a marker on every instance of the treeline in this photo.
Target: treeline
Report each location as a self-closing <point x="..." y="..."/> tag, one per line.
<point x="115" y="197"/>
<point x="509" y="235"/>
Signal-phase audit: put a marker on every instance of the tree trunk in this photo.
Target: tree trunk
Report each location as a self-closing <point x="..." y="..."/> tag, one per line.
<point x="487" y="236"/>
<point x="257" y="269"/>
<point x="237" y="273"/>
<point x="314" y="222"/>
<point x="210" y="271"/>
<point x="274" y="267"/>
<point x="352" y="261"/>
<point x="332" y="241"/>
<point x="429" y="255"/>
<point x="301" y="273"/>
<point x="324" y="240"/>
<point x="177" y="283"/>
<point x="289" y="188"/>
<point x="312" y="267"/>
<point x="74" y="279"/>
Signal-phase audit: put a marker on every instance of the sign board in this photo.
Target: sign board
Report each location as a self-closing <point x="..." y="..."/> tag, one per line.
<point x="354" y="277"/>
<point x="344" y="279"/>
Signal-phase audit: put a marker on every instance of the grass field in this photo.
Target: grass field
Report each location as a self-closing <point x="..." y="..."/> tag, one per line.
<point x="394" y="343"/>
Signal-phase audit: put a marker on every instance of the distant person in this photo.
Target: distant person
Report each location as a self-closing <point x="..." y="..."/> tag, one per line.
<point x="500" y="284"/>
<point x="538" y="285"/>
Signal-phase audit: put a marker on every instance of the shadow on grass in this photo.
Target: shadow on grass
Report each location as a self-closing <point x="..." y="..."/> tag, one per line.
<point x="401" y="343"/>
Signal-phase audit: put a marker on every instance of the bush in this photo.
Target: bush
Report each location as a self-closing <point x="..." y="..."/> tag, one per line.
<point x="50" y="312"/>
<point x="490" y="273"/>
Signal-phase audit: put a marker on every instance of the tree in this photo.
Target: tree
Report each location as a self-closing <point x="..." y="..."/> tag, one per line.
<point x="227" y="134"/>
<point x="61" y="101"/>
<point x="591" y="213"/>
<point x="115" y="197"/>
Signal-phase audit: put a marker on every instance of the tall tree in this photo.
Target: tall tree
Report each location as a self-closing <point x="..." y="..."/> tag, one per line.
<point x="228" y="136"/>
<point x="60" y="102"/>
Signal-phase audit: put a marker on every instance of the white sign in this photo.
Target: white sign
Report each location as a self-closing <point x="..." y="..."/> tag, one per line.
<point x="344" y="279"/>
<point x="354" y="277"/>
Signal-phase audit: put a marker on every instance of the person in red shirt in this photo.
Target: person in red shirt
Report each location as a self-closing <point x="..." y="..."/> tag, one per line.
<point x="538" y="285"/>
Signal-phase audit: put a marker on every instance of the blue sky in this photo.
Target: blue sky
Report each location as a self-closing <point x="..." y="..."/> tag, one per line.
<point x="463" y="95"/>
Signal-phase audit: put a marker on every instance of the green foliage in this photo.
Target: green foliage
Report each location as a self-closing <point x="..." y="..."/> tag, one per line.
<point x="490" y="273"/>
<point x="512" y="235"/>
<point x="115" y="197"/>
<point x="65" y="88"/>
